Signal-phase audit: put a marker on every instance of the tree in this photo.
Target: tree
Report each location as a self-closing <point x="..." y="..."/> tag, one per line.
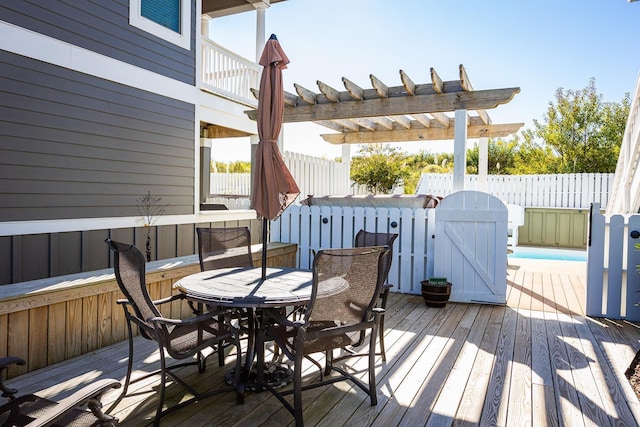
<point x="501" y="156"/>
<point x="379" y="167"/>
<point x="584" y="132"/>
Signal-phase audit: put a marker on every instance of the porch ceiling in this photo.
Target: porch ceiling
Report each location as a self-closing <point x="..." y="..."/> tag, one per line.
<point x="411" y="112"/>
<point x="226" y="7"/>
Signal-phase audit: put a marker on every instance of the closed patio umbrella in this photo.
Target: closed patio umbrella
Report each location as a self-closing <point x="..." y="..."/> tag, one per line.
<point x="273" y="186"/>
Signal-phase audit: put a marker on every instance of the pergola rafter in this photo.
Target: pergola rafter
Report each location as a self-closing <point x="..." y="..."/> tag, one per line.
<point x="410" y="112"/>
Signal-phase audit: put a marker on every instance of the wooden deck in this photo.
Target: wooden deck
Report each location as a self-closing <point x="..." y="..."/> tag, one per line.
<point x="537" y="361"/>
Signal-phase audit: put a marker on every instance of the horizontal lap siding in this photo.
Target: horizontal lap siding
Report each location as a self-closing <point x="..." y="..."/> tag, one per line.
<point x="75" y="146"/>
<point x="103" y="27"/>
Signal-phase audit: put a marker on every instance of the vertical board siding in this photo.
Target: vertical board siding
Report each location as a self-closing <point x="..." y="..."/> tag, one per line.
<point x="613" y="282"/>
<point x="37" y="256"/>
<point x="60" y="323"/>
<point x="553" y="191"/>
<point x="103" y="27"/>
<point x="318" y="227"/>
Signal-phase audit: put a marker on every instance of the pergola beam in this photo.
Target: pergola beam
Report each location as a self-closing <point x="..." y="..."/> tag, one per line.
<point x="417" y="104"/>
<point x="423" y="134"/>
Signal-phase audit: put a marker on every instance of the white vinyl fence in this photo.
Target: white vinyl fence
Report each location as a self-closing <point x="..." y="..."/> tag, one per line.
<point x="575" y="190"/>
<point x="317" y="227"/>
<point x="613" y="284"/>
<point x="314" y="176"/>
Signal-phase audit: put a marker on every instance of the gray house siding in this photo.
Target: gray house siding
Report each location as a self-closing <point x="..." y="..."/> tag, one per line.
<point x="103" y="27"/>
<point x="75" y="146"/>
<point x="38" y="256"/>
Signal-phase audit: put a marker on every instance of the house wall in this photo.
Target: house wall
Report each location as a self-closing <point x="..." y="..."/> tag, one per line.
<point x="77" y="146"/>
<point x="94" y="113"/>
<point x="43" y="255"/>
<point x="103" y="27"/>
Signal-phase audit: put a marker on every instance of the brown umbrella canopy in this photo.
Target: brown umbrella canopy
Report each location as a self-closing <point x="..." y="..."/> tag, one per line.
<point x="273" y="186"/>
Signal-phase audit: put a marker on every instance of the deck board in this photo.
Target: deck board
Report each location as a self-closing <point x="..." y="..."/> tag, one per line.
<point x="536" y="361"/>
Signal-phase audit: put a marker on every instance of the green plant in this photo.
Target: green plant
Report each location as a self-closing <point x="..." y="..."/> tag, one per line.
<point x="150" y="209"/>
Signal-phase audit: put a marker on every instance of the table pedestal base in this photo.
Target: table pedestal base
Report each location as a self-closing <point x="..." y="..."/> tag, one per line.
<point x="275" y="374"/>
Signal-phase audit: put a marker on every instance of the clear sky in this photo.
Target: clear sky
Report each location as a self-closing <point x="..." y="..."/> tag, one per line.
<point x="538" y="46"/>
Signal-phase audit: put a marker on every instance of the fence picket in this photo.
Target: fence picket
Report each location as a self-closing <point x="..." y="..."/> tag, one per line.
<point x="410" y="256"/>
<point x="632" y="279"/>
<point x="554" y="191"/>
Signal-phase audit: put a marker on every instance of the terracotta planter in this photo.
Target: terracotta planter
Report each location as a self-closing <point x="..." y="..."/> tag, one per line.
<point x="435" y="294"/>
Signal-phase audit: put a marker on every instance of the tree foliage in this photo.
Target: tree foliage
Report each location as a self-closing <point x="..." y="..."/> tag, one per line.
<point x="501" y="156"/>
<point x="583" y="132"/>
<point x="379" y="167"/>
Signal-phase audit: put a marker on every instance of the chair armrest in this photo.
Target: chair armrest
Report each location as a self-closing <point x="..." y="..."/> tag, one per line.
<point x="191" y="320"/>
<point x="90" y="394"/>
<point x="11" y="360"/>
<point x="169" y="299"/>
<point x="386" y="287"/>
<point x="5" y="362"/>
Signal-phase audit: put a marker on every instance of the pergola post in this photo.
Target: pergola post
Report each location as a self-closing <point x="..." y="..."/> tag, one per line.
<point x="483" y="163"/>
<point x="459" y="149"/>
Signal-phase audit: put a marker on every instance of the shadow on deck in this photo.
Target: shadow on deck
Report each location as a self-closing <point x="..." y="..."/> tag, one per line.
<point x="536" y="361"/>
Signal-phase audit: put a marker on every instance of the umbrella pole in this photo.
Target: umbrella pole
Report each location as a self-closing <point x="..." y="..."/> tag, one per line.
<point x="265" y="225"/>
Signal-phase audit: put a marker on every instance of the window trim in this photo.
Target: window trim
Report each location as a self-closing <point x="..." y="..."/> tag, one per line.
<point x="182" y="39"/>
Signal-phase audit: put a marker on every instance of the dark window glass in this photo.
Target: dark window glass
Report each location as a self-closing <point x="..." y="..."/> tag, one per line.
<point x="162" y="12"/>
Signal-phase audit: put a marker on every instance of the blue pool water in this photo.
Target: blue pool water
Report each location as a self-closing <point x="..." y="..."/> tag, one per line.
<point x="548" y="253"/>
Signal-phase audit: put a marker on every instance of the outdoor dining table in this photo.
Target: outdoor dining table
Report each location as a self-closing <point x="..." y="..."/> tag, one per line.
<point x="243" y="288"/>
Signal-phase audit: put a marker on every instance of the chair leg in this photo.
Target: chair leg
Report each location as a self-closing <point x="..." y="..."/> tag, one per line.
<point x="328" y="362"/>
<point x="373" y="394"/>
<point x="383" y="352"/>
<point x="221" y="343"/>
<point x="127" y="380"/>
<point x="297" y="390"/>
<point x="383" y="305"/>
<point x="163" y="378"/>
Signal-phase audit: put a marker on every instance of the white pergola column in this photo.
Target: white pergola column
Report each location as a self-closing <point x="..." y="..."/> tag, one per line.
<point x="483" y="163"/>
<point x="459" y="149"/>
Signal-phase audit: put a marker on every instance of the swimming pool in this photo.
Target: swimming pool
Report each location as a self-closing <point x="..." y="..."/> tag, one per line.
<point x="548" y="253"/>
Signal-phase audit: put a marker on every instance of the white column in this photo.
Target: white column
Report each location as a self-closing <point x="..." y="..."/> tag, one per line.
<point x="261" y="8"/>
<point x="459" y="150"/>
<point x="346" y="159"/>
<point x="204" y="26"/>
<point x="483" y="163"/>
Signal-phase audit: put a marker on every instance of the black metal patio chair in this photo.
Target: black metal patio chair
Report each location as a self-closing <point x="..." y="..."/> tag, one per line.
<point x="369" y="238"/>
<point x="82" y="408"/>
<point x="226" y="247"/>
<point x="334" y="319"/>
<point x="181" y="339"/>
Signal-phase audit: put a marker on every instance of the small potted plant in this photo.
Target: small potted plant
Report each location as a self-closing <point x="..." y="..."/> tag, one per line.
<point x="436" y="291"/>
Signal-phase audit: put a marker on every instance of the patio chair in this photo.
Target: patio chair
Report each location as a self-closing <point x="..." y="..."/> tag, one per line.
<point x="368" y="238"/>
<point x="333" y="320"/>
<point x="226" y="247"/>
<point x="181" y="339"/>
<point x="83" y="407"/>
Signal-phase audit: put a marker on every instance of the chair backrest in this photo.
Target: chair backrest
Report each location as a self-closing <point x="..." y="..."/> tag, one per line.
<point x="359" y="272"/>
<point x="368" y="238"/>
<point x="224" y="247"/>
<point x="129" y="267"/>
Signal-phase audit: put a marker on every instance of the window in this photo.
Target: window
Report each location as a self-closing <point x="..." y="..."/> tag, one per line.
<point x="167" y="19"/>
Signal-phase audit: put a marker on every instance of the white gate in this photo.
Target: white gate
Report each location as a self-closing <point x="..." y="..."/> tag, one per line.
<point x="471" y="246"/>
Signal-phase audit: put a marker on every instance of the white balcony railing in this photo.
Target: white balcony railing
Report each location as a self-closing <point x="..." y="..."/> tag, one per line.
<point x="228" y="74"/>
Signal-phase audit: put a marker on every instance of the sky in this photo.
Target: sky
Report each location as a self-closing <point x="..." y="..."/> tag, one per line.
<point x="539" y="46"/>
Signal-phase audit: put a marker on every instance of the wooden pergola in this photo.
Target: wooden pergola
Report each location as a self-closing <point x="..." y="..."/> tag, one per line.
<point x="410" y="112"/>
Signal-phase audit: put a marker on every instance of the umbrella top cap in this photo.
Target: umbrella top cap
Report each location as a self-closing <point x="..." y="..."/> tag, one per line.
<point x="273" y="37"/>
